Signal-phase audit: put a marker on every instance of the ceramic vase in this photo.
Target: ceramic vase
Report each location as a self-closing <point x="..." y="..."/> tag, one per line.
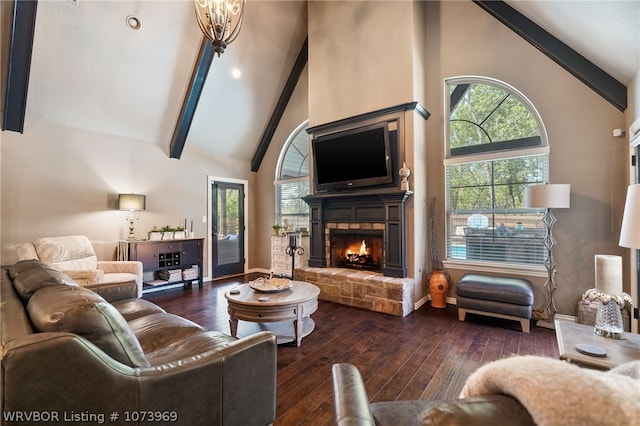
<point x="438" y="286"/>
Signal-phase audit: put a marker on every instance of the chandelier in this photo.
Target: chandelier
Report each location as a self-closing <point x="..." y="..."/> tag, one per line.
<point x="220" y="21"/>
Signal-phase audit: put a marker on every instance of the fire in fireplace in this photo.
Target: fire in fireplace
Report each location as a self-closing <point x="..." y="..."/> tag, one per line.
<point x="361" y="249"/>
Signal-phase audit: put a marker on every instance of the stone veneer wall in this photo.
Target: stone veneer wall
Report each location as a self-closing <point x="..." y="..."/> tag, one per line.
<point x="363" y="289"/>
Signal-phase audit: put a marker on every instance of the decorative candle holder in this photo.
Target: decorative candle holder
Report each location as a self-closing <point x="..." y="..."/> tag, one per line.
<point x="293" y="249"/>
<point x="609" y="321"/>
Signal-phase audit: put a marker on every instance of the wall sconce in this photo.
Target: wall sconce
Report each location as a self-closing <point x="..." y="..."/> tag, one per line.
<point x="131" y="203"/>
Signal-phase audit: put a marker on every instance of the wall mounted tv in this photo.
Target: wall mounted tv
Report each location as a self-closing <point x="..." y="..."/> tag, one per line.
<point x="353" y="158"/>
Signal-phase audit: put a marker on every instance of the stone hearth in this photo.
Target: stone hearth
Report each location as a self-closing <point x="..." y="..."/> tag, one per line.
<point x="363" y="289"/>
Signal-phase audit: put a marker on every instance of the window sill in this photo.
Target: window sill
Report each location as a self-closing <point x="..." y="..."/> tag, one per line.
<point x="498" y="268"/>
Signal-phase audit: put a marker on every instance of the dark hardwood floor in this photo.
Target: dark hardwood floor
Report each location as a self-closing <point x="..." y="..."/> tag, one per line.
<point x="426" y="355"/>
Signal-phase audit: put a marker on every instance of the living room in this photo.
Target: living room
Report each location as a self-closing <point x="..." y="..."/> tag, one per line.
<point x="61" y="177"/>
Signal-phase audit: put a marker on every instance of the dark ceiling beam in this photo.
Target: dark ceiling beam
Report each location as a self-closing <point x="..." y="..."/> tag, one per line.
<point x="23" y="24"/>
<point x="287" y="91"/>
<point x="581" y="68"/>
<point x="188" y="109"/>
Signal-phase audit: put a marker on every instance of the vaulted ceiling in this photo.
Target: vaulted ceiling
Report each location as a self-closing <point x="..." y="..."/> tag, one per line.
<point x="91" y="71"/>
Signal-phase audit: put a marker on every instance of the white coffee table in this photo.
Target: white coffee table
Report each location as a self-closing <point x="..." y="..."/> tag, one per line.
<point x="295" y="304"/>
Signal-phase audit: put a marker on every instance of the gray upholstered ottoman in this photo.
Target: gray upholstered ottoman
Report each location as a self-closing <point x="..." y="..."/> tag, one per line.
<point x="500" y="297"/>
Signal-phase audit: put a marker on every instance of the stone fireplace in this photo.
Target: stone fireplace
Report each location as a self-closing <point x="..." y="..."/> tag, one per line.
<point x="378" y="217"/>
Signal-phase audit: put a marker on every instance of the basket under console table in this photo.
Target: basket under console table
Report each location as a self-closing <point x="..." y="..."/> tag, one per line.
<point x="166" y="263"/>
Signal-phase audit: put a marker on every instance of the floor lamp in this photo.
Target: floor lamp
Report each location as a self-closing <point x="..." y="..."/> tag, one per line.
<point x="630" y="230"/>
<point x="549" y="196"/>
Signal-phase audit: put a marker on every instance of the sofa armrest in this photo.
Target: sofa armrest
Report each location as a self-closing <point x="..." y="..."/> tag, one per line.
<point x="221" y="384"/>
<point x="123" y="266"/>
<point x="86" y="277"/>
<point x="235" y="384"/>
<point x="350" y="400"/>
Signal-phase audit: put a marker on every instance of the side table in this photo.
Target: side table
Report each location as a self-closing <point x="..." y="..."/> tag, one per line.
<point x="570" y="334"/>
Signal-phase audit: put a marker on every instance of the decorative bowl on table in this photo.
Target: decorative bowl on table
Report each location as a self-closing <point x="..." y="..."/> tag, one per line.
<point x="271" y="284"/>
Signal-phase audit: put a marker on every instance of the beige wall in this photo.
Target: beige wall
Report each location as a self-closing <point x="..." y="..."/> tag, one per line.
<point x="464" y="40"/>
<point x="263" y="205"/>
<point x="358" y="61"/>
<point x="58" y="180"/>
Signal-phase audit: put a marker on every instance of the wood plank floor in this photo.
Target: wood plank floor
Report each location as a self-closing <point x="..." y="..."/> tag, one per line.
<point x="426" y="355"/>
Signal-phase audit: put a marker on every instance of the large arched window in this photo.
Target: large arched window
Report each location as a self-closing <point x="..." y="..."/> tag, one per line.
<point x="496" y="145"/>
<point x="292" y="180"/>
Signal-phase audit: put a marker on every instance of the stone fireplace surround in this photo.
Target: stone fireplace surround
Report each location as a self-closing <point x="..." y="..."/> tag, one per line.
<point x="391" y="291"/>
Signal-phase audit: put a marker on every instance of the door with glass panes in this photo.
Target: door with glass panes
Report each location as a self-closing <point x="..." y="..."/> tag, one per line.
<point x="227" y="239"/>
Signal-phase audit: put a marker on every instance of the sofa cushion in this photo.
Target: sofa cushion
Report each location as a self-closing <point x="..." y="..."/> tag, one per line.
<point x="73" y="252"/>
<point x="119" y="277"/>
<point x="478" y="411"/>
<point x="32" y="275"/>
<point x="517" y="291"/>
<point x="188" y="347"/>
<point x="158" y="330"/>
<point x="136" y="308"/>
<point x="24" y="265"/>
<point x="83" y="312"/>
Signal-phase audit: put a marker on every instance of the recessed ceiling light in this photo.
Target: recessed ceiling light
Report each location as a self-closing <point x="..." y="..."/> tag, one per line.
<point x="236" y="73"/>
<point x="133" y="22"/>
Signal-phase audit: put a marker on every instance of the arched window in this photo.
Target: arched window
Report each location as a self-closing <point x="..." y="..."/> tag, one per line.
<point x="496" y="145"/>
<point x="292" y="180"/>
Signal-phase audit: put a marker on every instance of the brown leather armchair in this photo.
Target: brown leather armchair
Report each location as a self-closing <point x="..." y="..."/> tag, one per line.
<point x="351" y="407"/>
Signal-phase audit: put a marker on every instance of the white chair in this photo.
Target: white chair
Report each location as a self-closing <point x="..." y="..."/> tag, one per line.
<point x="75" y="256"/>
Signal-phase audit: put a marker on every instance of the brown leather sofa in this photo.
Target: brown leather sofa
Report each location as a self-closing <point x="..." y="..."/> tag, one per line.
<point x="351" y="407"/>
<point x="71" y="355"/>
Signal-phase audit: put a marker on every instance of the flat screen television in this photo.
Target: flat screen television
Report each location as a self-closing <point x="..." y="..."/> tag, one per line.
<point x="352" y="158"/>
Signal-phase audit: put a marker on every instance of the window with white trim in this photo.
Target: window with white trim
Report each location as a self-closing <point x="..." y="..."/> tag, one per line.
<point x="292" y="180"/>
<point x="496" y="145"/>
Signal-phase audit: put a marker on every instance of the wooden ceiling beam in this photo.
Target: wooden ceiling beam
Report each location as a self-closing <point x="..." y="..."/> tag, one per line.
<point x="584" y="70"/>
<point x="190" y="102"/>
<point x="23" y="24"/>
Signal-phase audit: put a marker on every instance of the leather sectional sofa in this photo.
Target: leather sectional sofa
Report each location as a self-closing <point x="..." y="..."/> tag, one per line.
<point x="69" y="354"/>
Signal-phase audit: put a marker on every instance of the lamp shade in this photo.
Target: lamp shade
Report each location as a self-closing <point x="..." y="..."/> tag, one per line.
<point x="549" y="196"/>
<point x="131" y="202"/>
<point x="630" y="231"/>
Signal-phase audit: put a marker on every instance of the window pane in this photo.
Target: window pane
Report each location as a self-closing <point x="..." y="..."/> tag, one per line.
<point x="486" y="217"/>
<point x="487" y="118"/>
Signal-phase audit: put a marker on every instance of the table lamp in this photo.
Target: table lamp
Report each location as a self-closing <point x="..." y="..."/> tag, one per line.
<point x="131" y="203"/>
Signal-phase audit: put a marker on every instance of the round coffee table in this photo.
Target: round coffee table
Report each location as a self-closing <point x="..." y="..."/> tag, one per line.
<point x="294" y="304"/>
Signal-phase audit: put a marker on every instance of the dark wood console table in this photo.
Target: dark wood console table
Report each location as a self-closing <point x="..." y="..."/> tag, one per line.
<point x="168" y="263"/>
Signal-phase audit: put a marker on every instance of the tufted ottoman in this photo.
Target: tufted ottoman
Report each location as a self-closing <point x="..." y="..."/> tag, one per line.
<point x="500" y="297"/>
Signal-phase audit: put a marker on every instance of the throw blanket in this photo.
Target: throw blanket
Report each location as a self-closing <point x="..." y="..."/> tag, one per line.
<point x="558" y="393"/>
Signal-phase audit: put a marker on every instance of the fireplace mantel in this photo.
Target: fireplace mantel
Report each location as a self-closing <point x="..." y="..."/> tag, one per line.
<point x="384" y="206"/>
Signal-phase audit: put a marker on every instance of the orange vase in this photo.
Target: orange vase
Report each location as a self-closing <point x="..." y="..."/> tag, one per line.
<point x="438" y="286"/>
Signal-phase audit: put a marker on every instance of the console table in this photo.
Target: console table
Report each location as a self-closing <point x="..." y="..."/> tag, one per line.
<point x="166" y="263"/>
